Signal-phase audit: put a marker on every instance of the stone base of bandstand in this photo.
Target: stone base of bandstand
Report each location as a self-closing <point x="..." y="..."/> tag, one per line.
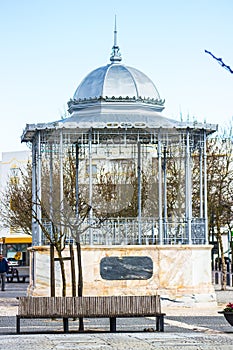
<point x="181" y="274"/>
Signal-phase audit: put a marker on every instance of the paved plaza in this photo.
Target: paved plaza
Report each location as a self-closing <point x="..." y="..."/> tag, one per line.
<point x="185" y="328"/>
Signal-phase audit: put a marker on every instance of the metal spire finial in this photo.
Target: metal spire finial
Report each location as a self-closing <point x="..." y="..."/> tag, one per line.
<point x="116" y="56"/>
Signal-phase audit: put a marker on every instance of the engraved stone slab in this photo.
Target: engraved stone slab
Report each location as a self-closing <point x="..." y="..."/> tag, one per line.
<point x="126" y="268"/>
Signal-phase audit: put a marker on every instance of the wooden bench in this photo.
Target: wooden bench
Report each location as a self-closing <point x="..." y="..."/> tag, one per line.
<point x="22" y="278"/>
<point x="80" y="307"/>
<point x="14" y="274"/>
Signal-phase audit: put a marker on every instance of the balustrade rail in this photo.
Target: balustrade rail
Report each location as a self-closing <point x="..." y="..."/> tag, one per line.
<point x="123" y="231"/>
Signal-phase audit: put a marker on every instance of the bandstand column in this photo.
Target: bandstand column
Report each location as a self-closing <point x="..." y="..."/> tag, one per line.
<point x="139" y="195"/>
<point x="51" y="181"/>
<point x="90" y="185"/>
<point x="165" y="192"/>
<point x="38" y="189"/>
<point x="61" y="175"/>
<point x="188" y="192"/>
<point x="201" y="180"/>
<point x="160" y="206"/>
<point x="76" y="180"/>
<point x="205" y="188"/>
<point x="36" y="209"/>
<point x="34" y="197"/>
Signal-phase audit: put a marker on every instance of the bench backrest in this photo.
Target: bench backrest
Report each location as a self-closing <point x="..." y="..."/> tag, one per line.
<point x="89" y="306"/>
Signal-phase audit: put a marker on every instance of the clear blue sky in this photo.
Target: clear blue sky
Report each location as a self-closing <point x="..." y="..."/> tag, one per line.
<point x="49" y="46"/>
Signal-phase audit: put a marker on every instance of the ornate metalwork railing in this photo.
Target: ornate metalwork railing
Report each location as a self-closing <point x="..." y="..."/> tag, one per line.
<point x="130" y="231"/>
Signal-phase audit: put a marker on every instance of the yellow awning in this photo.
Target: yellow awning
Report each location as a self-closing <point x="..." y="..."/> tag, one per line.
<point x="16" y="239"/>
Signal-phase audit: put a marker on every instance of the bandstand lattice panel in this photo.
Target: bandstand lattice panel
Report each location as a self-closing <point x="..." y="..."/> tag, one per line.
<point x="149" y="152"/>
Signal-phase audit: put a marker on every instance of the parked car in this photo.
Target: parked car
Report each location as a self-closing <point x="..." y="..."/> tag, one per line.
<point x="13" y="262"/>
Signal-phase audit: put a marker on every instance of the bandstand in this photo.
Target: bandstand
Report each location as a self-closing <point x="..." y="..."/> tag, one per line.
<point x="142" y="173"/>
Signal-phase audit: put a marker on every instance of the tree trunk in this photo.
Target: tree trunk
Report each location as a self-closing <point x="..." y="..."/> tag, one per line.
<point x="80" y="280"/>
<point x="80" y="270"/>
<point x="73" y="277"/>
<point x="223" y="267"/>
<point x="52" y="273"/>
<point x="63" y="274"/>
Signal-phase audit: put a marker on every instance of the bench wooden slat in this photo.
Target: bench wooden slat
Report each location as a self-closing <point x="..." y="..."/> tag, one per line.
<point x="101" y="306"/>
<point x="89" y="306"/>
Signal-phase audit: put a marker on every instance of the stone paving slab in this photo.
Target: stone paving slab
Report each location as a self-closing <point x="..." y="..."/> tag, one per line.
<point x="119" y="341"/>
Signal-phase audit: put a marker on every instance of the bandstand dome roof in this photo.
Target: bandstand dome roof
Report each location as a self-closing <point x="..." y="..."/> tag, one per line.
<point x="115" y="96"/>
<point x="115" y="89"/>
<point x="116" y="80"/>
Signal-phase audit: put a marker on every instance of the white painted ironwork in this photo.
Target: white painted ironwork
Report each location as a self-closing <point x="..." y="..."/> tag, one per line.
<point x="139" y="193"/>
<point x="160" y="190"/>
<point x="205" y="188"/>
<point x="90" y="184"/>
<point x="119" y="127"/>
<point x="124" y="231"/>
<point x="38" y="188"/>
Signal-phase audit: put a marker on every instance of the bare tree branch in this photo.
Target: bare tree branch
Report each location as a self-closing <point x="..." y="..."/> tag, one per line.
<point x="220" y="61"/>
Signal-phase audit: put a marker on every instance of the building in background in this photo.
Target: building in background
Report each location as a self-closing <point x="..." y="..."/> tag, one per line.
<point x="13" y="243"/>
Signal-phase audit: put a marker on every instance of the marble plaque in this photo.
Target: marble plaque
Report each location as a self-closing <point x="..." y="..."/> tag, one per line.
<point x="126" y="268"/>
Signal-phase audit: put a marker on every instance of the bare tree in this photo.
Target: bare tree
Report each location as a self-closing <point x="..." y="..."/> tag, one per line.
<point x="17" y="212"/>
<point x="59" y="218"/>
<point x="220" y="189"/>
<point x="117" y="190"/>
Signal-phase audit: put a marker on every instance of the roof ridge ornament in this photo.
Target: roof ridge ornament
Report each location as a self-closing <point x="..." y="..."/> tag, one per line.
<point x="116" y="56"/>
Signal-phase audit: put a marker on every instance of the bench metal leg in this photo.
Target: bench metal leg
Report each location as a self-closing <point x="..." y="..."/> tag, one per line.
<point x="160" y="323"/>
<point x="112" y="324"/>
<point x="81" y="324"/>
<point x="65" y="324"/>
<point x="17" y="324"/>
